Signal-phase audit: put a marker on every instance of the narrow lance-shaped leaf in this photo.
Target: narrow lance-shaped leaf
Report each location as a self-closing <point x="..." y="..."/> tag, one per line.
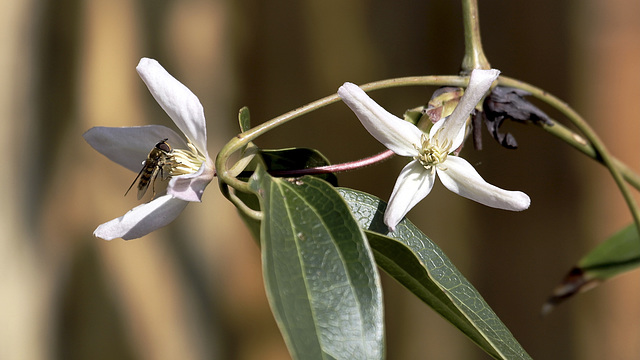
<point x="417" y="263"/>
<point x="618" y="254"/>
<point x="319" y="273"/>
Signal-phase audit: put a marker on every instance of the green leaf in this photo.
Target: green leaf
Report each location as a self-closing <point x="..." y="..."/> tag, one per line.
<point x="618" y="254"/>
<point x="244" y="118"/>
<point x="319" y="272"/>
<point x="417" y="263"/>
<point x="278" y="160"/>
<point x="297" y="158"/>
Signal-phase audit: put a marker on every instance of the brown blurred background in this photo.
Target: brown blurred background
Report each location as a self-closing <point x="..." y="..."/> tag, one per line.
<point x="194" y="290"/>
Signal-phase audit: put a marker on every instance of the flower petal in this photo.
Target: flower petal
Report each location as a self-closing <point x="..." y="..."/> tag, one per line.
<point x="142" y="219"/>
<point x="394" y="133"/>
<point x="191" y="187"/>
<point x="130" y="146"/>
<point x="414" y="184"/>
<point x="479" y="82"/>
<point x="452" y="145"/>
<point x="460" y="177"/>
<point x="182" y="106"/>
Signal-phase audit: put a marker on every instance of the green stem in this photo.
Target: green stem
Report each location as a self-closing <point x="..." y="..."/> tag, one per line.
<point x="600" y="152"/>
<point x="240" y="205"/>
<point x="592" y="147"/>
<point x="238" y="142"/>
<point x="579" y="143"/>
<point x="474" y="57"/>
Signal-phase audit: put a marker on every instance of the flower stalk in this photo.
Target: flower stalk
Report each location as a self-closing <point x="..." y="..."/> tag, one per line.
<point x="243" y="139"/>
<point x="619" y="170"/>
<point x="474" y="57"/>
<point x="564" y="134"/>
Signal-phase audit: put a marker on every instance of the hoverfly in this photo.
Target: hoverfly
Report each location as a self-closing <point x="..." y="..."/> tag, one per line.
<point x="158" y="159"/>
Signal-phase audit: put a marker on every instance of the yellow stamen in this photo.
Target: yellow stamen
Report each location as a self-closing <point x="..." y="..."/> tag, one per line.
<point x="185" y="162"/>
<point x="431" y="152"/>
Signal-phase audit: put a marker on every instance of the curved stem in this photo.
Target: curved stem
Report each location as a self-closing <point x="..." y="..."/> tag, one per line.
<point x="593" y="147"/>
<point x="474" y="57"/>
<point x="582" y="145"/>
<point x="238" y="142"/>
<point x="240" y="205"/>
<point x="600" y="151"/>
<point x="337" y="167"/>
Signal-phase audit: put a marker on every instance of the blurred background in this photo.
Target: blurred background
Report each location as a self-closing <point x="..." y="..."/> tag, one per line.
<point x="194" y="290"/>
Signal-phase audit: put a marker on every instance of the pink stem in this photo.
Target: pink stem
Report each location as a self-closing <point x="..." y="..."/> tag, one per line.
<point x="336" y="168"/>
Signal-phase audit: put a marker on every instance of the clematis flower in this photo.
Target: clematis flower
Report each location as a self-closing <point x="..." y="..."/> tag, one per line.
<point x="191" y="168"/>
<point x="431" y="153"/>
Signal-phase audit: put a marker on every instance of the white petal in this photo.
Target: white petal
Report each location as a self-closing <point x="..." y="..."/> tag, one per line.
<point x="479" y="82"/>
<point x="394" y="133"/>
<point x="182" y="106"/>
<point x="191" y="187"/>
<point x="142" y="219"/>
<point x="414" y="184"/>
<point x="460" y="177"/>
<point x="129" y="146"/>
<point x="456" y="142"/>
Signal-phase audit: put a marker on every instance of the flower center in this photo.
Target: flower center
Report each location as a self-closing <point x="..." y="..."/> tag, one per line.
<point x="185" y="162"/>
<point x="432" y="152"/>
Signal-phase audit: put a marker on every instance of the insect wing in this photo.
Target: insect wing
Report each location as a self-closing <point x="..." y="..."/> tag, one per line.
<point x="149" y="171"/>
<point x="155" y="163"/>
<point x="149" y="174"/>
<point x="135" y="180"/>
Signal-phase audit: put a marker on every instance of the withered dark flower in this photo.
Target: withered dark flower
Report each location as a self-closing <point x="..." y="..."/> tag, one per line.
<point x="506" y="103"/>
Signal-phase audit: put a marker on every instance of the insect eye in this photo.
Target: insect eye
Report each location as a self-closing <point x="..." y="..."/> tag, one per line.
<point x="163" y="146"/>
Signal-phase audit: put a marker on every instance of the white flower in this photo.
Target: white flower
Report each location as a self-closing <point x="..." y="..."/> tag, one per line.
<point x="431" y="153"/>
<point x="192" y="168"/>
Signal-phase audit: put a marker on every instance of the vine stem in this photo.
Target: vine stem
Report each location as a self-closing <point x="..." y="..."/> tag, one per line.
<point x="600" y="152"/>
<point x="474" y="57"/>
<point x="328" y="169"/>
<point x="243" y="139"/>
<point x="582" y="145"/>
<point x="592" y="146"/>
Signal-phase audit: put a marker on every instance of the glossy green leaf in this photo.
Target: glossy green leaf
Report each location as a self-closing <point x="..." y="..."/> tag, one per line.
<point x="319" y="272"/>
<point x="618" y="254"/>
<point x="297" y="158"/>
<point x="416" y="262"/>
<point x="279" y="160"/>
